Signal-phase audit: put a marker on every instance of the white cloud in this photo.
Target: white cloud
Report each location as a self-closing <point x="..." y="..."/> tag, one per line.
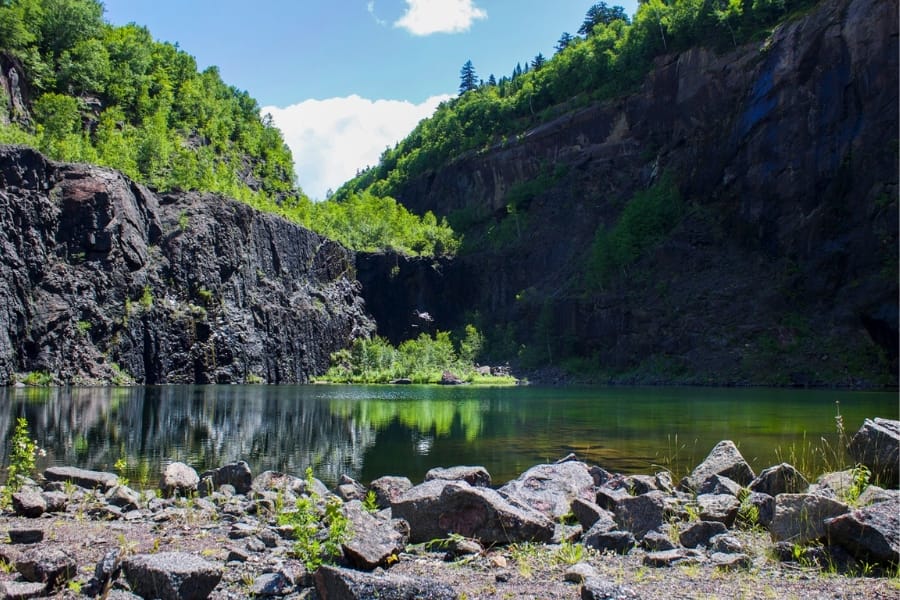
<point x="424" y="17"/>
<point x="331" y="139"/>
<point x="370" y="6"/>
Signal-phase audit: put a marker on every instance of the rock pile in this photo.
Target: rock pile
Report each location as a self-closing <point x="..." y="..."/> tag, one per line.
<point x="568" y="502"/>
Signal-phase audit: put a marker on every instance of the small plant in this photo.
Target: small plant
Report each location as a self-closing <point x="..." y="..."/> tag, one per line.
<point x="568" y="553"/>
<point x="370" y="504"/>
<point x="84" y="326"/>
<point x="147" y="298"/>
<point x="36" y="378"/>
<point x="254" y="379"/>
<point x="22" y="454"/>
<point x="74" y="586"/>
<point x="121" y="467"/>
<point x="183" y="221"/>
<point x="120" y="376"/>
<point x="693" y="512"/>
<point x="312" y="516"/>
<point x="859" y="481"/>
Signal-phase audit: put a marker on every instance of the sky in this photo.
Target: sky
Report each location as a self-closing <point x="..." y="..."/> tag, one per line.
<point x="343" y="79"/>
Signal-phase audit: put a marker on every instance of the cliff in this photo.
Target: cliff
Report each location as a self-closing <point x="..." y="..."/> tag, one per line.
<point x="103" y="280"/>
<point x="783" y="268"/>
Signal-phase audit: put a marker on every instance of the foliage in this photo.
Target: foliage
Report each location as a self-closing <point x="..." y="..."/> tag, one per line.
<point x="610" y="58"/>
<point x="644" y="221"/>
<point x="319" y="527"/>
<point x="22" y="453"/>
<point x="421" y="360"/>
<point x="36" y="378"/>
<point x="370" y="503"/>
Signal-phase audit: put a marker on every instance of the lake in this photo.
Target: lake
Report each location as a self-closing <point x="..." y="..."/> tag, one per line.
<point x="369" y="431"/>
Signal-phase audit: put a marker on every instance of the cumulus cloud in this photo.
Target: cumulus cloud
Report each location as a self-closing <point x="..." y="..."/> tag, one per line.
<point x="424" y="17"/>
<point x="331" y="139"/>
<point x="370" y="6"/>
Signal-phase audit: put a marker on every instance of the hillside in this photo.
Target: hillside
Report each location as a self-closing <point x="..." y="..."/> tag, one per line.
<point x="731" y="219"/>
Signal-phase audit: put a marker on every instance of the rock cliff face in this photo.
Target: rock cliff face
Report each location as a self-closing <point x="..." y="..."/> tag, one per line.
<point x="784" y="269"/>
<point x="103" y="280"/>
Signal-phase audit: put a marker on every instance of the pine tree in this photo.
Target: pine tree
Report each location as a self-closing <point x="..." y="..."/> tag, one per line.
<point x="538" y="61"/>
<point x="468" y="80"/>
<point x="564" y="40"/>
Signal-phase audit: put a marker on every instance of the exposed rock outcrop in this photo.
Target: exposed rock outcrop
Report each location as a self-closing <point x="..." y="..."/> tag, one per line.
<point x="103" y="280"/>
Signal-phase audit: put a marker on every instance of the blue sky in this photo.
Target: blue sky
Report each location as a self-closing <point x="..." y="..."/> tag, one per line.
<point x="345" y="78"/>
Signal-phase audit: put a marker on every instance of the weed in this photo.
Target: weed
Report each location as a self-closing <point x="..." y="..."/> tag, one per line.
<point x="568" y="553"/>
<point x="370" y="504"/>
<point x="83" y="326"/>
<point x="859" y="481"/>
<point x="693" y="512"/>
<point x="121" y="467"/>
<point x="147" y="298"/>
<point x="22" y="454"/>
<point x="6" y="567"/>
<point x="74" y="586"/>
<point x="183" y="221"/>
<point x="36" y="378"/>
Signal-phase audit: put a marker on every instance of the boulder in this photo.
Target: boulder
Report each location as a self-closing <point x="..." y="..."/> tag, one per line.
<point x="780" y="479"/>
<point x="599" y="588"/>
<point x="719" y="484"/>
<point x="475" y="476"/>
<point x="28" y="504"/>
<point x="551" y="488"/>
<point x="620" y="542"/>
<point x="18" y="535"/>
<point x="268" y="585"/>
<point x="640" y="514"/>
<point x="46" y="565"/>
<point x="178" y="479"/>
<point x="870" y="534"/>
<point x="668" y="558"/>
<point x="765" y="507"/>
<point x="448" y="378"/>
<point x="349" y="489"/>
<point x="236" y="474"/>
<point x="388" y="489"/>
<point x="436" y="508"/>
<point x="654" y="541"/>
<point x="699" y="533"/>
<point x="105" y="573"/>
<point x="372" y="541"/>
<point x="124" y="497"/>
<point x="730" y="562"/>
<point x="724" y="459"/>
<point x="800" y="518"/>
<point x="171" y="576"/>
<point x="82" y="477"/>
<point x="589" y="513"/>
<point x="335" y="583"/>
<point x="21" y="590"/>
<point x="718" y="507"/>
<point x="877" y="446"/>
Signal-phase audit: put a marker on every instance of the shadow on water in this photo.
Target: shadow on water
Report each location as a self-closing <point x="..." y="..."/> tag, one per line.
<point x="369" y="431"/>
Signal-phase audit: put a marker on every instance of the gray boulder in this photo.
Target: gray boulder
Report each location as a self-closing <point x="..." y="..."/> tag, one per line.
<point x="765" y="507"/>
<point x="474" y="476"/>
<point x="719" y="484"/>
<point x="388" y="489"/>
<point x="372" y="541"/>
<point x="436" y="508"/>
<point x="699" y="533"/>
<point x="20" y="590"/>
<point x="877" y="446"/>
<point x="82" y="477"/>
<point x="589" y="513"/>
<point x="668" y="558"/>
<point x="871" y="533"/>
<point x="29" y="504"/>
<point x="46" y="565"/>
<point x="724" y="459"/>
<point x="800" y="518"/>
<point x="718" y="507"/>
<point x="349" y="489"/>
<point x="171" y="576"/>
<point x="640" y="514"/>
<point x="780" y="479"/>
<point x="599" y="588"/>
<point x="236" y="474"/>
<point x="551" y="489"/>
<point x="620" y="542"/>
<point x="178" y="478"/>
<point x="335" y="583"/>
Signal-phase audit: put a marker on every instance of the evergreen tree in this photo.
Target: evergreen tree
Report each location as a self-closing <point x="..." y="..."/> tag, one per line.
<point x="601" y="13"/>
<point x="538" y="61"/>
<point x="468" y="80"/>
<point x="564" y="40"/>
<point x="491" y="80"/>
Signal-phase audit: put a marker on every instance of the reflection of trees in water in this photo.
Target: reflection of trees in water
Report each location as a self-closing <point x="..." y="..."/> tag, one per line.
<point x="284" y="429"/>
<point x="422" y="414"/>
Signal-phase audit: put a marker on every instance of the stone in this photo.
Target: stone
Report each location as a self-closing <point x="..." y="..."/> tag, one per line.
<point x="19" y="535"/>
<point x="56" y="501"/>
<point x="870" y="534"/>
<point x="725" y="543"/>
<point x="271" y="584"/>
<point x="724" y="459"/>
<point x="877" y="446"/>
<point x="178" y="479"/>
<point x="236" y="474"/>
<point x="46" y="565"/>
<point x="780" y="479"/>
<point x="640" y="484"/>
<point x="349" y="489"/>
<point x="730" y="562"/>
<point x="436" y="508"/>
<point x="838" y="481"/>
<point x="171" y="575"/>
<point x="236" y="554"/>
<point x="448" y="378"/>
<point x="388" y="489"/>
<point x="28" y="504"/>
<point x="698" y="533"/>
<point x="372" y="541"/>
<point x="874" y="493"/>
<point x="718" y="507"/>
<point x="589" y="513"/>
<point x="800" y="518"/>
<point x="719" y="484"/>
<point x="105" y="573"/>
<point x="620" y="542"/>
<point x="551" y="488"/>
<point x="608" y="498"/>
<point x="335" y="583"/>
<point x="89" y="480"/>
<point x="600" y="588"/>
<point x="474" y="476"/>
<point x="655" y="541"/>
<point x="21" y="590"/>
<point x="668" y="558"/>
<point x="457" y="547"/>
<point x="124" y="497"/>
<point x="579" y="572"/>
<point x="765" y="507"/>
<point x="640" y="514"/>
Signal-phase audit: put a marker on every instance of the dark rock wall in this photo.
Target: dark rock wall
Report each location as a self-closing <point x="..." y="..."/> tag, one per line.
<point x="784" y="269"/>
<point x="100" y="278"/>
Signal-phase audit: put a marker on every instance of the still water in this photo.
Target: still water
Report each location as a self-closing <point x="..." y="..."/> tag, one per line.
<point x="369" y="431"/>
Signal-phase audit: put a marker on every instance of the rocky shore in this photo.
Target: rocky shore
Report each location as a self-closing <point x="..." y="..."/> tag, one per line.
<point x="560" y="530"/>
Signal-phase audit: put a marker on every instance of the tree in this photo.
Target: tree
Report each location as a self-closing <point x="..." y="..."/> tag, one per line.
<point x="468" y="80"/>
<point x="492" y="80"/>
<point x="601" y="13"/>
<point x="564" y="40"/>
<point x="538" y="61"/>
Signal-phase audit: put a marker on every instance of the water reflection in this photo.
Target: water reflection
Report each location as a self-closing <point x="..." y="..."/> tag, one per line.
<point x="371" y="431"/>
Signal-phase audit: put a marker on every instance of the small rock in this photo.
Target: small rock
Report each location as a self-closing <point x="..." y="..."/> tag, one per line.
<point x="730" y="562"/>
<point x="578" y="572"/>
<point x="640" y="514"/>
<point x="498" y="560"/>
<point x="473" y="475"/>
<point x="800" y="518"/>
<point x="89" y="480"/>
<point x="171" y="576"/>
<point x="236" y="554"/>
<point x="25" y="536"/>
<point x="598" y="588"/>
<point x="724" y="459"/>
<point x="719" y="507"/>
<point x="346" y="584"/>
<point x="178" y="478"/>
<point x="46" y="565"/>
<point x="655" y="541"/>
<point x="56" y="501"/>
<point x="21" y="590"/>
<point x="699" y="533"/>
<point x="271" y="584"/>
<point x="589" y="513"/>
<point x="780" y="479"/>
<point x="236" y="474"/>
<point x="725" y="543"/>
<point x="388" y="489"/>
<point x="620" y="542"/>
<point x="28" y="504"/>
<point x="719" y="484"/>
<point x="667" y="558"/>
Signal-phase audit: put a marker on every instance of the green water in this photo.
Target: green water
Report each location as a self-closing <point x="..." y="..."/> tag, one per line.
<point x="369" y="431"/>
